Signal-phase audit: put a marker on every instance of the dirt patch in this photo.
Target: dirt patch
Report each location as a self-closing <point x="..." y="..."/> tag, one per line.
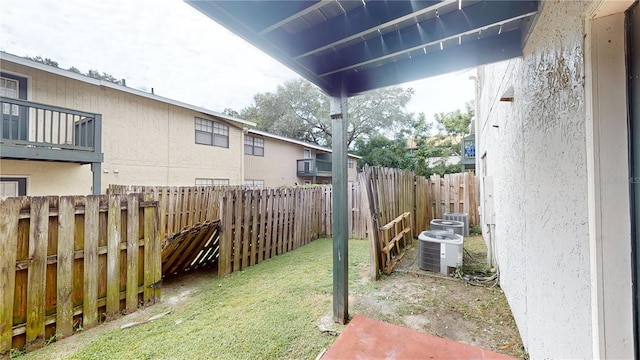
<point x="439" y="305"/>
<point x="176" y="292"/>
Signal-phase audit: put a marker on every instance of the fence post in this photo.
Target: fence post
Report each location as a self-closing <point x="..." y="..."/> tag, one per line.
<point x="10" y="210"/>
<point x="64" y="283"/>
<point x="226" y="218"/>
<point x="133" y="247"/>
<point x="113" y="256"/>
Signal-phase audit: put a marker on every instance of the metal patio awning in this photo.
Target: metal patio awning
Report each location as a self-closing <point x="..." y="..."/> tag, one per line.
<point x="348" y="47"/>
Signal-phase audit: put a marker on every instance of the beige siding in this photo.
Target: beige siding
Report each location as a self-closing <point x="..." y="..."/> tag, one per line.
<point x="144" y="141"/>
<point x="49" y="178"/>
<point x="278" y="166"/>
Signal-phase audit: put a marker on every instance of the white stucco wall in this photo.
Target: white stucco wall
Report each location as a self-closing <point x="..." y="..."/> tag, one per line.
<point x="536" y="155"/>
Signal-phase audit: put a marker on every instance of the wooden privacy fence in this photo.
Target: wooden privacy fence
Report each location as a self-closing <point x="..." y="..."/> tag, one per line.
<point x="254" y="224"/>
<point x="375" y="199"/>
<point x="453" y="193"/>
<point x="191" y="248"/>
<point x="389" y="194"/>
<point x="260" y="224"/>
<point x="180" y="207"/>
<point x="393" y="192"/>
<point x="71" y="262"/>
<point x="394" y="238"/>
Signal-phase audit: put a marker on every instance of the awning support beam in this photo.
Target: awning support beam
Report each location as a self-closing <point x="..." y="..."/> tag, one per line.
<point x="339" y="181"/>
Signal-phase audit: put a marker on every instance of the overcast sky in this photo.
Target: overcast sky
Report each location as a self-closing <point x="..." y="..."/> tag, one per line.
<point x="171" y="47"/>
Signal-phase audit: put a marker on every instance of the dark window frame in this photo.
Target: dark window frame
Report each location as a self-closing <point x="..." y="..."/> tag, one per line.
<point x="22" y="183"/>
<point x="216" y="132"/>
<point x="250" y="146"/>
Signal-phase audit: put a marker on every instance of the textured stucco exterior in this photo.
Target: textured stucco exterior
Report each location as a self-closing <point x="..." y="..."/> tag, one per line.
<point x="48" y="178"/>
<point x="540" y="187"/>
<point x="144" y="141"/>
<point x="278" y="166"/>
<point x="532" y="157"/>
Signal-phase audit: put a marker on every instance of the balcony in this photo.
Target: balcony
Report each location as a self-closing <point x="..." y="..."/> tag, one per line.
<point x="468" y="159"/>
<point x="314" y="167"/>
<point x="32" y="131"/>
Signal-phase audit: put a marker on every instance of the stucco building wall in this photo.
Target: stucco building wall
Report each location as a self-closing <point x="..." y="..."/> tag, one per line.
<point x="533" y="151"/>
<point x="144" y="141"/>
<point x="50" y="178"/>
<point x="278" y="166"/>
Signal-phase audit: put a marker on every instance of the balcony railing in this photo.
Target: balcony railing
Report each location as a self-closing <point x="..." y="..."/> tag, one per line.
<point x="43" y="132"/>
<point x="468" y="150"/>
<point x="314" y="167"/>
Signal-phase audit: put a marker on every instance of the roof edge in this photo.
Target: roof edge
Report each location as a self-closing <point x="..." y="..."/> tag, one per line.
<point x="4" y="56"/>
<point x="299" y="142"/>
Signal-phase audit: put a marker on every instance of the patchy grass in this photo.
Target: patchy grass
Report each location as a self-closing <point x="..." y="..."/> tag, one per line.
<point x="268" y="311"/>
<point x="271" y="310"/>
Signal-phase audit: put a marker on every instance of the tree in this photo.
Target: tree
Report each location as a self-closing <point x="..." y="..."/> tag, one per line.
<point x="299" y="110"/>
<point x="42" y="60"/>
<point x="91" y="73"/>
<point x="453" y="125"/>
<point x="381" y="151"/>
<point x="438" y="149"/>
<point x="231" y="112"/>
<point x="429" y="154"/>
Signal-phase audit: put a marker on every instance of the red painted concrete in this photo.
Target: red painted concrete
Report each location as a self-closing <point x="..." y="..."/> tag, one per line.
<point x="366" y="338"/>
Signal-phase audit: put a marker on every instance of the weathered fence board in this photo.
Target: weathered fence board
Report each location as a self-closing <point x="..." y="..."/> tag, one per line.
<point x="90" y="303"/>
<point x="261" y="224"/>
<point x="392" y="192"/>
<point x="64" y="263"/>
<point x="64" y="300"/>
<point x="10" y="209"/>
<point x="191" y="248"/>
<point x="265" y="223"/>
<point x="394" y="238"/>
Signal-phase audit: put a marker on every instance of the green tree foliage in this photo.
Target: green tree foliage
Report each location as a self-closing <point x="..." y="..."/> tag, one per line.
<point x="42" y="60"/>
<point x="91" y="73"/>
<point x="452" y="127"/>
<point x="300" y="110"/>
<point x="428" y="153"/>
<point x="231" y="112"/>
<point x="103" y="76"/>
<point x="381" y="151"/>
<point x="436" y="150"/>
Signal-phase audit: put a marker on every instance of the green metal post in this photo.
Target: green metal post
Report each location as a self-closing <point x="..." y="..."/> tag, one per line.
<point x="96" y="167"/>
<point x="339" y="180"/>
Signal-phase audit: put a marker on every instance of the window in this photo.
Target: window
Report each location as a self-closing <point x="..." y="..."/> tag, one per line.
<point x="351" y="163"/>
<point x="254" y="183"/>
<point x="253" y="145"/>
<point x="212" y="133"/>
<point x="307" y="154"/>
<point x="220" y="182"/>
<point x="204" y="182"/>
<point x="9" y="88"/>
<point x="13" y="187"/>
<point x="15" y="124"/>
<point x="211" y="182"/>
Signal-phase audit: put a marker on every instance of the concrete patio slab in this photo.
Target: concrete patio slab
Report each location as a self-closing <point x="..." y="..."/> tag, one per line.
<point x="365" y="338"/>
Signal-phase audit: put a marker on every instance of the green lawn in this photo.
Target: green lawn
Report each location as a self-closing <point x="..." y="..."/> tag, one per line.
<point x="268" y="311"/>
